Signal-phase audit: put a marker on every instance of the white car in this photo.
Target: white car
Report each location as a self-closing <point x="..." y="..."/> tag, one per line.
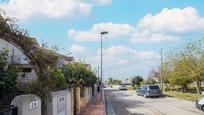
<point x="200" y="103"/>
<point x="122" y="87"/>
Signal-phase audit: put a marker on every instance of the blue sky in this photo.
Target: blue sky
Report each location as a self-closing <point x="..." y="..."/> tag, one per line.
<point x="138" y="29"/>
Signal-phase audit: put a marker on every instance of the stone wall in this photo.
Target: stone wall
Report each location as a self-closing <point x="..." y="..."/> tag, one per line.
<point x="31" y="104"/>
<point x="81" y="101"/>
<point x="27" y="104"/>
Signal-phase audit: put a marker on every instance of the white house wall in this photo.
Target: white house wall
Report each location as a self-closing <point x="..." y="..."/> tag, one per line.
<point x="4" y="44"/>
<point x="29" y="76"/>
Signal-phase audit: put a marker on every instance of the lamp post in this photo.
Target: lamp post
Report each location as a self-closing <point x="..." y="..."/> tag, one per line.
<point x="162" y="70"/>
<point x="102" y="33"/>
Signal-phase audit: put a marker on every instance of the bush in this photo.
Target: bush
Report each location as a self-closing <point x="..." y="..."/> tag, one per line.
<point x="192" y="90"/>
<point x="167" y="89"/>
<point x="134" y="87"/>
<point x="8" y="74"/>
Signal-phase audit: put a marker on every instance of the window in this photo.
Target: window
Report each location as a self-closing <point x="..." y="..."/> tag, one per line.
<point x="27" y="70"/>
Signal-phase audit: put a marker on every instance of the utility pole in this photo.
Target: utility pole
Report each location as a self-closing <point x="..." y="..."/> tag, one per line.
<point x="102" y="33"/>
<point x="101" y="66"/>
<point x="162" y="69"/>
<point x="98" y="71"/>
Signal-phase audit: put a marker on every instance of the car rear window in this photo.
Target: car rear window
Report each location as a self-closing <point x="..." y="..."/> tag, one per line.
<point x="153" y="87"/>
<point x="143" y="88"/>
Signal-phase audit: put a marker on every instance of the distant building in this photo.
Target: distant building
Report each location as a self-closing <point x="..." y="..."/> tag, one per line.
<point x="88" y="66"/>
<point x="64" y="60"/>
<point x="127" y="82"/>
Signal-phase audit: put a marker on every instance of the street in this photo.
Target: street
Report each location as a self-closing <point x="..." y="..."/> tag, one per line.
<point x="128" y="103"/>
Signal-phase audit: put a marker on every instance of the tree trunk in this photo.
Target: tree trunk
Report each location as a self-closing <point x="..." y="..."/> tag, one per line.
<point x="44" y="105"/>
<point x="184" y="89"/>
<point x="198" y="88"/>
<point x="200" y="85"/>
<point x="166" y="85"/>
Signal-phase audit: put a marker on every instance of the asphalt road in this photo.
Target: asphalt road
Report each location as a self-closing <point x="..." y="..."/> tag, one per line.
<point x="128" y="103"/>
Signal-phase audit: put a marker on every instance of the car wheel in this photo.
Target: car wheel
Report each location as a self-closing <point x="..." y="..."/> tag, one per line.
<point x="202" y="108"/>
<point x="145" y="95"/>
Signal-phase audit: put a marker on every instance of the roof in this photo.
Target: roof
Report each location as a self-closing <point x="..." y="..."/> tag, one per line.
<point x="67" y="58"/>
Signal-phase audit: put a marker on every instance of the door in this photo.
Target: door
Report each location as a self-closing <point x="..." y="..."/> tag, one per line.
<point x="61" y="105"/>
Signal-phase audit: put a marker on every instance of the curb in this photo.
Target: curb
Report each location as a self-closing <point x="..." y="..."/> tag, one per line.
<point x="104" y="102"/>
<point x="109" y="108"/>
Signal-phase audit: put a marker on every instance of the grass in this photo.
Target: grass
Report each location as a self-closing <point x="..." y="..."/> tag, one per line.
<point x="185" y="96"/>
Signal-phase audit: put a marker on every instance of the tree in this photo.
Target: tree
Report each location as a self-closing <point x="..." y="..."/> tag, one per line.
<point x="153" y="77"/>
<point x="78" y="75"/>
<point x="8" y="74"/>
<point x="180" y="75"/>
<point x="44" y="61"/>
<point x="185" y="65"/>
<point x="137" y="81"/>
<point x="117" y="82"/>
<point x="150" y="81"/>
<point x="191" y="63"/>
<point x="110" y="80"/>
<point x="154" y="74"/>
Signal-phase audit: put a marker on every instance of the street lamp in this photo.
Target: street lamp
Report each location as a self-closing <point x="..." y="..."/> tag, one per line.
<point x="102" y="33"/>
<point x="162" y="70"/>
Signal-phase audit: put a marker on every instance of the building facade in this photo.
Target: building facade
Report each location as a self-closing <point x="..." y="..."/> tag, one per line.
<point x="16" y="58"/>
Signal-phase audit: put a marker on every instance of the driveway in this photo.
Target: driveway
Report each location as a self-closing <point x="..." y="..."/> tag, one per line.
<point x="128" y="103"/>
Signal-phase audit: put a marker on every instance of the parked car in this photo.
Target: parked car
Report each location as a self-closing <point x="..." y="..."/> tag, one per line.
<point x="122" y="87"/>
<point x="200" y="103"/>
<point x="141" y="91"/>
<point x="152" y="91"/>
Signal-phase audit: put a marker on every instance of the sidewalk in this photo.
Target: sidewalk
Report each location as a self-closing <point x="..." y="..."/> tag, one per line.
<point x="95" y="107"/>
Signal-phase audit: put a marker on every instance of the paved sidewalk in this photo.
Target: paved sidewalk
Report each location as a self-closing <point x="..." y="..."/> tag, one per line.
<point x="95" y="107"/>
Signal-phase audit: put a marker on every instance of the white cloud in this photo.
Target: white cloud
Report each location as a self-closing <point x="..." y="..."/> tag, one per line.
<point x="123" y="61"/>
<point x="151" y="37"/>
<point x="115" y="31"/>
<point x="116" y="50"/>
<point x="147" y="55"/>
<point x="100" y="2"/>
<point x="173" y="20"/>
<point x="150" y="29"/>
<point x="120" y="60"/>
<point x="75" y="48"/>
<point x="122" y="55"/>
<point x="121" y="50"/>
<point x="25" y="9"/>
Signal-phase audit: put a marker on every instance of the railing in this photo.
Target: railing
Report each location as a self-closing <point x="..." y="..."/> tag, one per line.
<point x="8" y="110"/>
<point x="7" y="97"/>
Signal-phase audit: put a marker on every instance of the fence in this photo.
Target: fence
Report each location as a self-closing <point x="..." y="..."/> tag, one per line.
<point x="7" y="97"/>
<point x="8" y="110"/>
